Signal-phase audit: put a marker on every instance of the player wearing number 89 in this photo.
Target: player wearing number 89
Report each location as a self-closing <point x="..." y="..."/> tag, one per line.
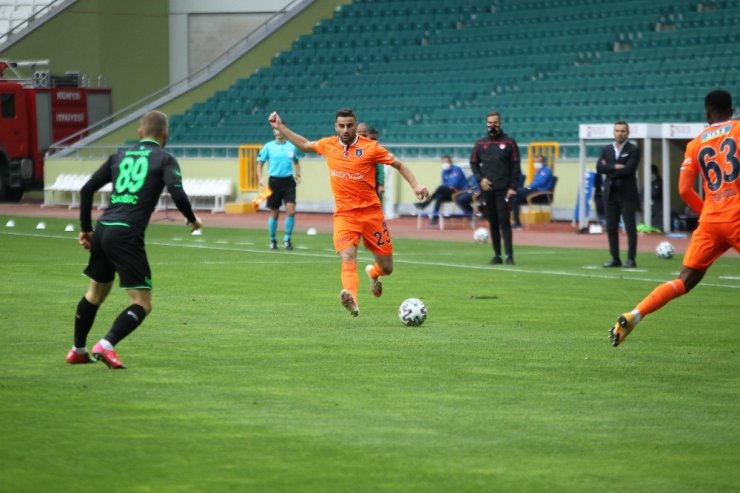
<point x="714" y="154"/>
<point x="138" y="175"/>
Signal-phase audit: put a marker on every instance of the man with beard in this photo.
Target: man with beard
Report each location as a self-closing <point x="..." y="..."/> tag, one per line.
<point x="358" y="215"/>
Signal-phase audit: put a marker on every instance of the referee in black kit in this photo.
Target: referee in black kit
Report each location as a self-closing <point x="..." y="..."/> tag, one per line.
<point x="495" y="162"/>
<point x="138" y="175"/>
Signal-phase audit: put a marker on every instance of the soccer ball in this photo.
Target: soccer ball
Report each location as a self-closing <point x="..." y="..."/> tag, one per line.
<point x="665" y="250"/>
<point x="480" y="235"/>
<point x="412" y="312"/>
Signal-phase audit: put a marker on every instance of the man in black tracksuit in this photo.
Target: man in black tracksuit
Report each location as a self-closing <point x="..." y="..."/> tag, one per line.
<point x="495" y="162"/>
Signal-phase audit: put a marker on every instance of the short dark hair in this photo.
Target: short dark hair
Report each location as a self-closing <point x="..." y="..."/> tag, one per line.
<point x="493" y="113"/>
<point x="345" y="112"/>
<point x="622" y="122"/>
<point x="718" y="101"/>
<point x="153" y="124"/>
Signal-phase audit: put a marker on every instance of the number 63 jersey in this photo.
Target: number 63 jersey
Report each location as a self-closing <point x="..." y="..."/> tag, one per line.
<point x="715" y="155"/>
<point x="138" y="175"/>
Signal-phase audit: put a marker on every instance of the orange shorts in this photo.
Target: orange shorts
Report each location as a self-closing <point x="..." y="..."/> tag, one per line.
<point x="367" y="223"/>
<point x="709" y="241"/>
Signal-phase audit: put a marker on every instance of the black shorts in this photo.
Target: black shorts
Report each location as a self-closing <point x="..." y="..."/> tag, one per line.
<point x="283" y="192"/>
<point x="119" y="249"/>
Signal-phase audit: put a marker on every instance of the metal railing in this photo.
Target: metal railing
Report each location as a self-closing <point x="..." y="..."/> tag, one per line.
<point x="37" y="12"/>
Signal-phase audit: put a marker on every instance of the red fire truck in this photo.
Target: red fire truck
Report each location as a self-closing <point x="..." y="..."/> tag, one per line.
<point x="36" y="112"/>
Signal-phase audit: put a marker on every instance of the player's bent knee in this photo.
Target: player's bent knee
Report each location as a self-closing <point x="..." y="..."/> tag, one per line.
<point x="146" y="306"/>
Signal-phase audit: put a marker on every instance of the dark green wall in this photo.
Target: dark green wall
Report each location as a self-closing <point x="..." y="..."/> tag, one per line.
<point x="126" y="41"/>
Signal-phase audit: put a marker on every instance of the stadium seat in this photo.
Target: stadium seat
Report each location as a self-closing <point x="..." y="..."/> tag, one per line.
<point x="415" y="67"/>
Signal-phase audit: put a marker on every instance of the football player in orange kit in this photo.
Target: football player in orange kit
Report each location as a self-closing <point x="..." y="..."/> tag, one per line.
<point x="714" y="154"/>
<point x="351" y="159"/>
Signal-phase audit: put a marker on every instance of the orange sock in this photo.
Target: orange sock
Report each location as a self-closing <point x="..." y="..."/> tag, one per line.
<point x="660" y="296"/>
<point x="376" y="272"/>
<point x="350" y="279"/>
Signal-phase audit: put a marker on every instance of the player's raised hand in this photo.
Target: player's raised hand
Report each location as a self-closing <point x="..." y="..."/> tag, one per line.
<point x="274" y="120"/>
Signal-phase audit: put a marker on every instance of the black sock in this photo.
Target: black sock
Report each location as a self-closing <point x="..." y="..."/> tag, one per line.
<point x="125" y="323"/>
<point x="84" y="319"/>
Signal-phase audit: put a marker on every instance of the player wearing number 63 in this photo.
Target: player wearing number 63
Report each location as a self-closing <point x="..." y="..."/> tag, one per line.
<point x="713" y="154"/>
<point x="138" y="175"/>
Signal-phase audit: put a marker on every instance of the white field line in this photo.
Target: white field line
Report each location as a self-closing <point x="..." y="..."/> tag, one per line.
<point x="290" y="256"/>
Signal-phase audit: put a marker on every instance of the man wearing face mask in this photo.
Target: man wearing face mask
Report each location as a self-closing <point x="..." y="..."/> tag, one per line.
<point x="495" y="162"/>
<point x="543" y="181"/>
<point x="453" y="180"/>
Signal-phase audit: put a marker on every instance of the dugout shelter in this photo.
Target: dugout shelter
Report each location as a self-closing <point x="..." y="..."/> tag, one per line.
<point x="672" y="137"/>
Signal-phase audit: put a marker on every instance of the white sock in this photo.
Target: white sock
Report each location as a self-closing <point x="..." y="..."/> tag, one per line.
<point x="80" y="350"/>
<point x="107" y="345"/>
<point x="637" y="315"/>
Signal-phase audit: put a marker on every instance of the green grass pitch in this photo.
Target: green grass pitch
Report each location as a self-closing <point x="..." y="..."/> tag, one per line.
<point x="249" y="376"/>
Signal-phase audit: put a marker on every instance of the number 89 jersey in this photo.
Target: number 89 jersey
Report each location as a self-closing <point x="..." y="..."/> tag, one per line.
<point x="138" y="175"/>
<point x="715" y="155"/>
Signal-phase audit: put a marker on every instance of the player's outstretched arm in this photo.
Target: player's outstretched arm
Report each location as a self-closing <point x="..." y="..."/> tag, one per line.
<point x="420" y="190"/>
<point x="299" y="141"/>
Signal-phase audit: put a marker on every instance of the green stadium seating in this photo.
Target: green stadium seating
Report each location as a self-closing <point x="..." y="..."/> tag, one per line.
<point x="427" y="71"/>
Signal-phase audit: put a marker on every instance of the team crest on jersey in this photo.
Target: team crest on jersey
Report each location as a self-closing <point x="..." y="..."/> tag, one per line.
<point x="716" y="133"/>
<point x="358" y="152"/>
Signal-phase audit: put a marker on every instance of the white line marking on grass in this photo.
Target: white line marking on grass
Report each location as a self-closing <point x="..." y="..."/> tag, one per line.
<point x="624" y="271"/>
<point x="294" y="254"/>
<point x="730" y="278"/>
<point x="250" y="262"/>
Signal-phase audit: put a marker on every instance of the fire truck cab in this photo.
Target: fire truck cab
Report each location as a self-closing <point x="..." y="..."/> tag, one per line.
<point x="36" y="112"/>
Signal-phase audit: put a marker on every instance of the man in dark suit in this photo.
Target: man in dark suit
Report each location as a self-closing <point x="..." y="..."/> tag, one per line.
<point x="618" y="161"/>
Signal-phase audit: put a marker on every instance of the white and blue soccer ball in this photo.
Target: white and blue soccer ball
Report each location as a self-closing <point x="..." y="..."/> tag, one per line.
<point x="412" y="312"/>
<point x="480" y="235"/>
<point x="665" y="250"/>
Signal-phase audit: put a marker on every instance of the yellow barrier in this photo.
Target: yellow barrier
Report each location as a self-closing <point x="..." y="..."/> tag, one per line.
<point x="549" y="150"/>
<point x="248" y="181"/>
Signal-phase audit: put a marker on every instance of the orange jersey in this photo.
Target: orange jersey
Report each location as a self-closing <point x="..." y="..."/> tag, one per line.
<point x="715" y="155"/>
<point x="352" y="170"/>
